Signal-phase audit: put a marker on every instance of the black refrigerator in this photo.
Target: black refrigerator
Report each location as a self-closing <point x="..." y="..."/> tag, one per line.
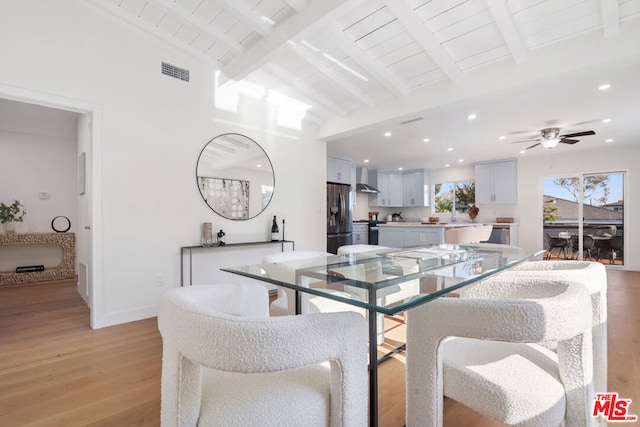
<point x="339" y="228"/>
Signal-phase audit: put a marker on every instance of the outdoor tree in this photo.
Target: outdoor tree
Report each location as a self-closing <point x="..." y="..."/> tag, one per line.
<point x="465" y="197"/>
<point x="594" y="186"/>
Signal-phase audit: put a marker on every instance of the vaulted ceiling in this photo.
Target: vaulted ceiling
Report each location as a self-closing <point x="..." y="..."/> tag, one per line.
<point x="370" y="66"/>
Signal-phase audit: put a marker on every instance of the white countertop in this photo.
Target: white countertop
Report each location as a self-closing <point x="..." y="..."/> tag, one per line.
<point x="440" y="224"/>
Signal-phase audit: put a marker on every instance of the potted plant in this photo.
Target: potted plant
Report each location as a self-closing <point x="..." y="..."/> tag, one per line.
<point x="10" y="214"/>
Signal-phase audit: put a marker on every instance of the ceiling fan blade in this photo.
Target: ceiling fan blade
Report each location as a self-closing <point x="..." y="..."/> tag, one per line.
<point x="525" y="140"/>
<point x="534" y="145"/>
<point x="571" y="135"/>
<point x="569" y="141"/>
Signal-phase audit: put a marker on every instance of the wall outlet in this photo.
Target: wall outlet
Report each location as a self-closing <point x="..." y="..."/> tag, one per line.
<point x="423" y="237"/>
<point x="158" y="280"/>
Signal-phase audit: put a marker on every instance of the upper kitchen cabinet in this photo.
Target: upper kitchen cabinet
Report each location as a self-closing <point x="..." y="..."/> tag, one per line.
<point x="381" y="182"/>
<point x="399" y="190"/>
<point x="338" y="170"/>
<point x="415" y="189"/>
<point x="496" y="182"/>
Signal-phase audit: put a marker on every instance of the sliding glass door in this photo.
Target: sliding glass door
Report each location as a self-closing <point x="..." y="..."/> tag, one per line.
<point x="584" y="217"/>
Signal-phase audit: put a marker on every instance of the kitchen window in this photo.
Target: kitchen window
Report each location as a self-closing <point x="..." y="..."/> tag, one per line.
<point x="452" y="197"/>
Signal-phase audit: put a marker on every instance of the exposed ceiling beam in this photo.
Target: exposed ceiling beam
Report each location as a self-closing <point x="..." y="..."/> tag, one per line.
<point x="298" y="5"/>
<point x="311" y="59"/>
<point x="309" y="95"/>
<point x="374" y="68"/>
<point x="506" y="25"/>
<point x="240" y="10"/>
<point x="610" y="17"/>
<point x="147" y="27"/>
<point x="306" y="22"/>
<point x="424" y="38"/>
<point x="200" y="24"/>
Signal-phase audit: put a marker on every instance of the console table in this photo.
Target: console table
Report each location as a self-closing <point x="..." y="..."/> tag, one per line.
<point x="218" y="257"/>
<point x="66" y="269"/>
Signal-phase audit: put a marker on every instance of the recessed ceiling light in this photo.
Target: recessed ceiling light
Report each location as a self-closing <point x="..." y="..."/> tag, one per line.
<point x="471" y="116"/>
<point x="460" y="160"/>
<point x="387" y="134"/>
<point x="259" y="165"/>
<point x="400" y="169"/>
<point x="447" y="165"/>
<point x="604" y="86"/>
<point x="608" y="140"/>
<point x="366" y="160"/>
<point x="426" y="140"/>
<point x="606" y="120"/>
<point x="449" y="149"/>
<point x="502" y="137"/>
<point x="523" y="151"/>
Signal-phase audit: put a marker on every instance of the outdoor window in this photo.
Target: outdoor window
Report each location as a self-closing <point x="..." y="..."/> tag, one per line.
<point x="455" y="196"/>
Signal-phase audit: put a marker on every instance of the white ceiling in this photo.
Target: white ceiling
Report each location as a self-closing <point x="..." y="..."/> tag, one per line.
<point x="519" y="65"/>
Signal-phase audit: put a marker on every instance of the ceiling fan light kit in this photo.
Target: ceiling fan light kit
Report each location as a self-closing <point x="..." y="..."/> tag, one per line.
<point x="550" y="137"/>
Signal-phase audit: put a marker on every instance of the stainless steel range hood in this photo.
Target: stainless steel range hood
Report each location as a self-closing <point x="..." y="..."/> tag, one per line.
<point x="361" y="184"/>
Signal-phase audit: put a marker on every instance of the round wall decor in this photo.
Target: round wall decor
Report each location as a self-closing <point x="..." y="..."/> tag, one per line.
<point x="61" y="224"/>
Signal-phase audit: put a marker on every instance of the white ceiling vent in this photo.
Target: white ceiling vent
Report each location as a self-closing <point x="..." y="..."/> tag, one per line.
<point x="176" y="72"/>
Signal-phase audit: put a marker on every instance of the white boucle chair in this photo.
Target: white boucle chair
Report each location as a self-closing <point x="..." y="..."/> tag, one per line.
<point x="482" y="232"/>
<point x="593" y="275"/>
<point x="395" y="293"/>
<point x="227" y="363"/>
<point x="459" y="235"/>
<point x="482" y="353"/>
<point x="282" y="266"/>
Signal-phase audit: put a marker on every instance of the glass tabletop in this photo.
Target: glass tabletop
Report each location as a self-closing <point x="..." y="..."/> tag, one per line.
<point x="388" y="281"/>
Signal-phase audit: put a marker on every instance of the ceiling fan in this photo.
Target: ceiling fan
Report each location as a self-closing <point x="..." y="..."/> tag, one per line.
<point x="550" y="137"/>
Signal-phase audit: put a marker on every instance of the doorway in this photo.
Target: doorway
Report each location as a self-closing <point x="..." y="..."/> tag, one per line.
<point x="583" y="217"/>
<point x="88" y="142"/>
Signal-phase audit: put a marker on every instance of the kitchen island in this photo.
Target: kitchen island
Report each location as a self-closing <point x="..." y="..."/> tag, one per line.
<point x="400" y="234"/>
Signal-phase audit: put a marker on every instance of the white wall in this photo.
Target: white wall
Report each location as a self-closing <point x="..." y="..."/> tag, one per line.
<point x="152" y="129"/>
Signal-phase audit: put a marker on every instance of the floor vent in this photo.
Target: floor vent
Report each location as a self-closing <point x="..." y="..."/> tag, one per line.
<point x="83" y="280"/>
<point x="175" y="72"/>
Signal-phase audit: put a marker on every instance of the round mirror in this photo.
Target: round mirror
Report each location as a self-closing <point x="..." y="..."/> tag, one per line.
<point x="235" y="176"/>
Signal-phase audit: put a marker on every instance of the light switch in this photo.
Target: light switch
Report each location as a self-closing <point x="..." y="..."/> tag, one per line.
<point x="44" y="195"/>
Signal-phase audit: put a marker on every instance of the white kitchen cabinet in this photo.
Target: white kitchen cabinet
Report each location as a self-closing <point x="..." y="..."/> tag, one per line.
<point x="496" y="182"/>
<point x="395" y="190"/>
<point x="399" y="190"/>
<point x="338" y="170"/>
<point x="397" y="236"/>
<point x="381" y="182"/>
<point x="360" y="234"/>
<point x="415" y="189"/>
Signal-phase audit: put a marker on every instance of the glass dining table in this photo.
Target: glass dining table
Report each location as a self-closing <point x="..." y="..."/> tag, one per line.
<point x="389" y="281"/>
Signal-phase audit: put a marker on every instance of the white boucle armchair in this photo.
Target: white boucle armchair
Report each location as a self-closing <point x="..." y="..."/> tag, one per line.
<point x="227" y="363"/>
<point x="482" y="353"/>
<point x="593" y="275"/>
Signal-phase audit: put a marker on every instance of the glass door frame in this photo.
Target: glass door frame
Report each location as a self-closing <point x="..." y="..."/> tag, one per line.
<point x="580" y="203"/>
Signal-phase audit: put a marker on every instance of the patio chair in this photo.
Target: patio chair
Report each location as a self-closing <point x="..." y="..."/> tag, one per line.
<point x="560" y="243"/>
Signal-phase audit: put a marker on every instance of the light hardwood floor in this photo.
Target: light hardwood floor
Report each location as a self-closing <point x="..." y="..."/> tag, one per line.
<point x="56" y="371"/>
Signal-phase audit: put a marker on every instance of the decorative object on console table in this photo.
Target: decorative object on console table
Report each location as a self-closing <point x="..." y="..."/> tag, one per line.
<point x="275" y="232"/>
<point x="11" y="214"/>
<point x="61" y="224"/>
<point x="473" y="213"/>
<point x="207" y="235"/>
<point x="221" y="238"/>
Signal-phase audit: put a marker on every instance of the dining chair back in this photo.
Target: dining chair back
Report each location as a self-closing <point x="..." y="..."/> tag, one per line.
<point x="592" y="275"/>
<point x="227" y="363"/>
<point x="484" y="354"/>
